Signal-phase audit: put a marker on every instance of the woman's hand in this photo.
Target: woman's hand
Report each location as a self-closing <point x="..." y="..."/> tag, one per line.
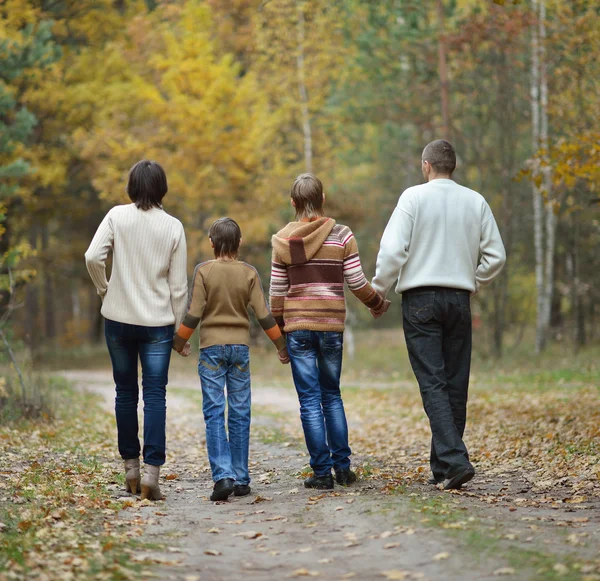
<point x="186" y="350"/>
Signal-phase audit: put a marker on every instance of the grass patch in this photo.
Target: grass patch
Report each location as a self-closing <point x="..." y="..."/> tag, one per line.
<point x="58" y="514"/>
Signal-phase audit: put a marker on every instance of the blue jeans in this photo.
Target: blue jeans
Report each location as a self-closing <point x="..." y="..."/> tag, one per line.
<point x="153" y="347"/>
<point x="437" y="327"/>
<point x="316" y="359"/>
<point x="220" y="366"/>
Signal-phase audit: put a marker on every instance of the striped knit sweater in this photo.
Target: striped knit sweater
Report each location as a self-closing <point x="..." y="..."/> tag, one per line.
<point x="311" y="262"/>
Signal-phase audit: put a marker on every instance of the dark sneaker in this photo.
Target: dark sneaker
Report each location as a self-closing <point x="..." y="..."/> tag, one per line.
<point x="222" y="489"/>
<point x="434" y="481"/>
<point x="345" y="477"/>
<point x="241" y="490"/>
<point x="319" y="482"/>
<point x="456" y="481"/>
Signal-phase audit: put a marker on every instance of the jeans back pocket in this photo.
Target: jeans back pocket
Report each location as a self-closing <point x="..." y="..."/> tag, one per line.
<point x="420" y="306"/>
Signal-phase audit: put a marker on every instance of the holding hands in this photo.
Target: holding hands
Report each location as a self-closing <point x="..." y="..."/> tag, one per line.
<point x="380" y="312"/>
<point x="283" y="355"/>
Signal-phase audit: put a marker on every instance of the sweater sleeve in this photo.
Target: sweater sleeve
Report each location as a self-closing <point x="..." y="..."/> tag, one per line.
<point x="263" y="314"/>
<point x="97" y="253"/>
<point x="355" y="277"/>
<point x="195" y="311"/>
<point x="491" y="248"/>
<point x="280" y="285"/>
<point x="394" y="248"/>
<point x="177" y="278"/>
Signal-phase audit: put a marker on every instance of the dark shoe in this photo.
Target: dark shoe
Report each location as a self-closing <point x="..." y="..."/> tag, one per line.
<point x="434" y="481"/>
<point x="345" y="477"/>
<point x="241" y="490"/>
<point x="319" y="482"/>
<point x="222" y="489"/>
<point x="455" y="482"/>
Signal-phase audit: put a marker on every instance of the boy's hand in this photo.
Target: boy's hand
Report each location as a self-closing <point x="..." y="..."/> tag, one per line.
<point x="379" y="312"/>
<point x="187" y="349"/>
<point x="283" y="355"/>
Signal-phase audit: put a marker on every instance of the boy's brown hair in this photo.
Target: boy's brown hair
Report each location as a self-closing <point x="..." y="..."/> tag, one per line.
<point x="226" y="235"/>
<point x="307" y="195"/>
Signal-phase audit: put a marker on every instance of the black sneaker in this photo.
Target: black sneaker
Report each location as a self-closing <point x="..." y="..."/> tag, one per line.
<point x="319" y="482"/>
<point x="456" y="481"/>
<point x="241" y="490"/>
<point x="433" y="480"/>
<point x="222" y="489"/>
<point x="345" y="477"/>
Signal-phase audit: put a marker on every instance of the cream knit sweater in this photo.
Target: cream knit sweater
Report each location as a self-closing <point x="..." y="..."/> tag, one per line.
<point x="148" y="283"/>
<point x="440" y="234"/>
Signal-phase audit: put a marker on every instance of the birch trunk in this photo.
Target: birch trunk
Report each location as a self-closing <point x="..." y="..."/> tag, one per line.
<point x="538" y="203"/>
<point x="443" y="73"/>
<point x="306" y="129"/>
<point x="550" y="221"/>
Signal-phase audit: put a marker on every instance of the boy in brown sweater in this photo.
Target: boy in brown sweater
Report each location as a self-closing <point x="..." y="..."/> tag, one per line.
<point x="222" y="291"/>
<point x="312" y="259"/>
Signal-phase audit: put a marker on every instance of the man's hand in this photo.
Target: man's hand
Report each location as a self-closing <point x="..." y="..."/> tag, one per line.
<point x="283" y="355"/>
<point x="380" y="312"/>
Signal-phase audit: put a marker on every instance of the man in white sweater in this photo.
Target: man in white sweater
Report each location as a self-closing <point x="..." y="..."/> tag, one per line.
<point x="441" y="246"/>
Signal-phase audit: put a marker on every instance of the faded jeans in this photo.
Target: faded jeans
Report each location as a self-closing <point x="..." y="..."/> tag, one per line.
<point x="220" y="366"/>
<point x="316" y="360"/>
<point x="437" y="327"/>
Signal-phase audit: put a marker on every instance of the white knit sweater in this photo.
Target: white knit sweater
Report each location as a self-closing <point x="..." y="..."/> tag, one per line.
<point x="148" y="283"/>
<point x="440" y="234"/>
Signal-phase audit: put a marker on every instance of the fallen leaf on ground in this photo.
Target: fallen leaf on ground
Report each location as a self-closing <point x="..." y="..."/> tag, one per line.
<point x="396" y="574"/>
<point x="248" y="534"/>
<point x="212" y="552"/>
<point x="304" y="573"/>
<point x="441" y="556"/>
<point x="504" y="571"/>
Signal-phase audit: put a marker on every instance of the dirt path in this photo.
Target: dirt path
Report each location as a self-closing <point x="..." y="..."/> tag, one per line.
<point x="285" y="531"/>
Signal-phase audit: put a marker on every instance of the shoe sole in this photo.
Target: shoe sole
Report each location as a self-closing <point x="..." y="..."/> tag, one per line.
<point x="319" y="487"/>
<point x="236" y="493"/>
<point x="457" y="481"/>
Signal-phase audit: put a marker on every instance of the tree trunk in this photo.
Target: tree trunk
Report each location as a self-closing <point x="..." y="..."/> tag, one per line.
<point x="538" y="204"/>
<point x="306" y="129"/>
<point x="546" y="170"/>
<point x="32" y="300"/>
<point x="49" y="304"/>
<point x="443" y="74"/>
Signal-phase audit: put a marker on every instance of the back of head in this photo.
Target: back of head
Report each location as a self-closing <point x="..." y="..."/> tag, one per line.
<point x="441" y="156"/>
<point x="226" y="235"/>
<point x="147" y="184"/>
<point x="307" y="196"/>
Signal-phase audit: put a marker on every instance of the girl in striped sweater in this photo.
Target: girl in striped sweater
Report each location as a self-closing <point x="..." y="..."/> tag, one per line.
<point x="312" y="259"/>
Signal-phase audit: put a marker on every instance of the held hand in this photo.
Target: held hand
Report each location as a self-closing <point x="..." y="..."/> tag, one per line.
<point x="283" y="355"/>
<point x="187" y="349"/>
<point x="380" y="312"/>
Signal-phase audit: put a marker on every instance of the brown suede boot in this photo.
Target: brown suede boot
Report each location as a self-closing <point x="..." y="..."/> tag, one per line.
<point x="150" y="487"/>
<point x="132" y="475"/>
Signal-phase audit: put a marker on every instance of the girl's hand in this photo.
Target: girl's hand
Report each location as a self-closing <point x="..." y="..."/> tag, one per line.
<point x="187" y="349"/>
<point x="284" y="356"/>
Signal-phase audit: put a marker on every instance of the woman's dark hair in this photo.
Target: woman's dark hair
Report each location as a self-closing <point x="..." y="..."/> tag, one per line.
<point x="147" y="184"/>
<point x="226" y="236"/>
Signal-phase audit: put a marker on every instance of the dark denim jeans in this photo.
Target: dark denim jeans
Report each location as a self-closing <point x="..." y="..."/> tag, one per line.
<point x="153" y="347"/>
<point x="437" y="327"/>
<point x="316" y="359"/>
<point x="220" y="366"/>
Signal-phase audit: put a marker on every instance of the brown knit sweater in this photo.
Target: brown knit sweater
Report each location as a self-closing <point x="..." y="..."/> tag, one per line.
<point x="311" y="262"/>
<point x="221" y="293"/>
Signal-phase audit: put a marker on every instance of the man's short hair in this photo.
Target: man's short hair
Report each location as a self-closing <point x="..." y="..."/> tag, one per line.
<point x="441" y="155"/>
<point x="226" y="236"/>
<point x="307" y="194"/>
<point x="147" y="184"/>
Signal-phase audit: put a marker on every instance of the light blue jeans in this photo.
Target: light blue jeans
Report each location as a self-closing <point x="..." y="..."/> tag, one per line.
<point x="220" y="366"/>
<point x="316" y="359"/>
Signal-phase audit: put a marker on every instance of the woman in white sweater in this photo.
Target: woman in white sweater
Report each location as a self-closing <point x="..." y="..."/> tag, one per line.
<point x="142" y="303"/>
